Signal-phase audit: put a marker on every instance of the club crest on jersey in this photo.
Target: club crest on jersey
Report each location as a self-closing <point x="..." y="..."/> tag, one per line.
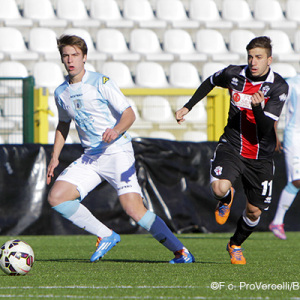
<point x="77" y="104"/>
<point x="218" y="170"/>
<point x="265" y="89"/>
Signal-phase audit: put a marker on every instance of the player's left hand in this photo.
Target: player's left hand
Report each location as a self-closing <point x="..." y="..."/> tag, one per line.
<point x="110" y="135"/>
<point x="257" y="98"/>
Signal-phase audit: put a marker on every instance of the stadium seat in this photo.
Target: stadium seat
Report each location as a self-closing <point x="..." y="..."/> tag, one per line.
<point x="297" y="41"/>
<point x="150" y="75"/>
<point x="74" y="11"/>
<point x="93" y="54"/>
<point x="15" y="138"/>
<point x="197" y="115"/>
<point x="210" y="68"/>
<point x="6" y="124"/>
<point x="108" y="12"/>
<point x="42" y="12"/>
<point x="13" y="45"/>
<point x="141" y="13"/>
<point x="90" y="67"/>
<point x="162" y="134"/>
<point x="13" y="110"/>
<point x="286" y="70"/>
<point x="48" y="74"/>
<point x="119" y="72"/>
<point x="282" y="47"/>
<point x="195" y="136"/>
<point x="174" y="13"/>
<point x="146" y="43"/>
<point x="44" y="41"/>
<point x="10" y="14"/>
<point x="139" y="123"/>
<point x="112" y="42"/>
<point x="12" y="69"/>
<point x="238" y="40"/>
<point x="134" y="108"/>
<point x="157" y="109"/>
<point x="206" y="13"/>
<point x="184" y="75"/>
<point x="270" y="12"/>
<point x="179" y="42"/>
<point x="293" y="10"/>
<point x="212" y="43"/>
<point x="239" y="13"/>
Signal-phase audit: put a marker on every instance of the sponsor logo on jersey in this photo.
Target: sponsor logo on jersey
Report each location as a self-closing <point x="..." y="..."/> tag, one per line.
<point x="236" y="97"/>
<point x="242" y="100"/>
<point x="234" y="81"/>
<point x="125" y="187"/>
<point x="283" y="97"/>
<point x="105" y="79"/>
<point x="268" y="200"/>
<point x="76" y="96"/>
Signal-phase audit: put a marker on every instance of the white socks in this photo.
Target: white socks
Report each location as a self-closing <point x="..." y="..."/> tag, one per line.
<point x="83" y="218"/>
<point x="285" y="201"/>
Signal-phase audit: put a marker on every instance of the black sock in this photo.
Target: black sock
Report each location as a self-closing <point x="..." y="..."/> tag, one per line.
<point x="242" y="232"/>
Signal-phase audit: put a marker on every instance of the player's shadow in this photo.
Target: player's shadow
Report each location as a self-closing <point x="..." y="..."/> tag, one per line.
<point x="86" y="261"/>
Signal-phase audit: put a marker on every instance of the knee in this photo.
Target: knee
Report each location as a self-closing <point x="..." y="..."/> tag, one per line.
<point x="220" y="187"/>
<point x="133" y="206"/>
<point x="253" y="214"/>
<point x="54" y="197"/>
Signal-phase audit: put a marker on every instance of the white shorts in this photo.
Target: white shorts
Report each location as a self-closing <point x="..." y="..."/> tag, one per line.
<point x="292" y="163"/>
<point x="118" y="169"/>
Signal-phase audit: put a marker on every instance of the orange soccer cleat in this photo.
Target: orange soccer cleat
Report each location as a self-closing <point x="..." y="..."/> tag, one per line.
<point x="236" y="254"/>
<point x="222" y="210"/>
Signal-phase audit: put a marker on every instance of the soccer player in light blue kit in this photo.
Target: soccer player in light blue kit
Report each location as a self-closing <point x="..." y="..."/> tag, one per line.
<point x="291" y="148"/>
<point x="102" y="115"/>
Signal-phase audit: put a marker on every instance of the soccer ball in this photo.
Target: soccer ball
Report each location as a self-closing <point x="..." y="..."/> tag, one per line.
<point x="16" y="258"/>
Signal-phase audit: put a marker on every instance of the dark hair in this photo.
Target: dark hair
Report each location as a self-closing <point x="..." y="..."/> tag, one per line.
<point x="261" y="42"/>
<point x="71" y="40"/>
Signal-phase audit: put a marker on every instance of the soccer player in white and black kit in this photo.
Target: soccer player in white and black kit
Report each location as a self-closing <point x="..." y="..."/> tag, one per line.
<point x="246" y="148"/>
<point x="102" y="115"/>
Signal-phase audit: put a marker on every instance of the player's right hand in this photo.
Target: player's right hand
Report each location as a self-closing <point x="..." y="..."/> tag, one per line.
<point x="50" y="171"/>
<point x="180" y="113"/>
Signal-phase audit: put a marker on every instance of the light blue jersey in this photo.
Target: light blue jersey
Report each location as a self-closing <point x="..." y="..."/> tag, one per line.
<point x="291" y="139"/>
<point x="95" y="104"/>
<point x="292" y="122"/>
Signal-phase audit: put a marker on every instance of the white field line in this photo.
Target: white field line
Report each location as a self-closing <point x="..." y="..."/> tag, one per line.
<point x="100" y="287"/>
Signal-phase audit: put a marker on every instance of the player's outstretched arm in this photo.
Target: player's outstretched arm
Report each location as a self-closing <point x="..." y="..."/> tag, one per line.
<point x="180" y="113"/>
<point x="61" y="134"/>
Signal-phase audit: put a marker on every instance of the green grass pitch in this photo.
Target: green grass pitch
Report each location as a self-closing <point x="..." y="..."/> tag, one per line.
<point x="138" y="268"/>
